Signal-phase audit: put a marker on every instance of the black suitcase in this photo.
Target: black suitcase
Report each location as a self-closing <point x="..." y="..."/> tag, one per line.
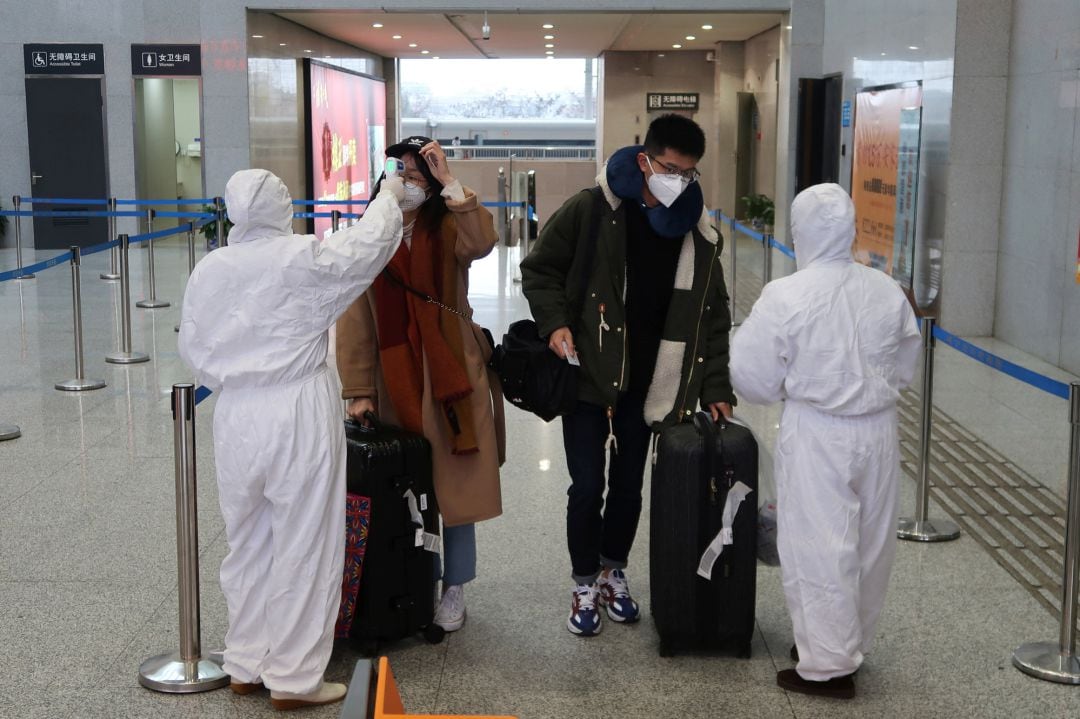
<point x="396" y="597"/>
<point x="697" y="465"/>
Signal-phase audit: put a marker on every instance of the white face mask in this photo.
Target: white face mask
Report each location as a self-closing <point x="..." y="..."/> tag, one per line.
<point x="666" y="188"/>
<point x="414" y="197"/>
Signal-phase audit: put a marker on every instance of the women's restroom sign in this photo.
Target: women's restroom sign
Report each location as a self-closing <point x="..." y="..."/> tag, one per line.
<point x="166" y="60"/>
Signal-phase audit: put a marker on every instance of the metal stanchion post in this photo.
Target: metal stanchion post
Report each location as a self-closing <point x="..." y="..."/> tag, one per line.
<point x="16" y="201"/>
<point x="219" y="210"/>
<point x="767" y="267"/>
<point x="186" y="671"/>
<point x="80" y="382"/>
<point x="114" y="270"/>
<point x="1047" y="660"/>
<point x="920" y="528"/>
<point x="503" y="222"/>
<point x="125" y="355"/>
<point x="734" y="264"/>
<point x="9" y="431"/>
<point x="190" y="256"/>
<point x="335" y="220"/>
<point x="152" y="303"/>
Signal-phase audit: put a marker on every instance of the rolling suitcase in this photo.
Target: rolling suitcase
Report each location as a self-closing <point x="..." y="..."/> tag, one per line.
<point x="703" y="567"/>
<point x="396" y="594"/>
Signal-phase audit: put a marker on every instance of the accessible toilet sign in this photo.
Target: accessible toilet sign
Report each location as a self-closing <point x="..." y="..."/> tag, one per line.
<point x="64" y="58"/>
<point x="158" y="60"/>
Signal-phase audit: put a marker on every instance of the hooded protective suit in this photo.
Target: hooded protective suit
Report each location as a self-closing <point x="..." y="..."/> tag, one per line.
<point x="254" y="326"/>
<point x="836" y="341"/>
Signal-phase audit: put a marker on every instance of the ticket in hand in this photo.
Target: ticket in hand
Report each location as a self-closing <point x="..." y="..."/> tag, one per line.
<point x="571" y="358"/>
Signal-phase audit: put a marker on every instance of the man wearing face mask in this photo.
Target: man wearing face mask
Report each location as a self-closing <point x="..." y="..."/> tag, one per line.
<point x="651" y="336"/>
<point x="423" y="367"/>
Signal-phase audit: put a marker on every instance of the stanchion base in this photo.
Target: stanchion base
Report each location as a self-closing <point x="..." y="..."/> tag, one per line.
<point x="127" y="358"/>
<point x="929" y="530"/>
<point x="1044" y="660"/>
<point x="9" y="431"/>
<point x="151" y="304"/>
<point x="170" y="674"/>
<point x="109" y="277"/>
<point x="78" y="385"/>
<point x="26" y="277"/>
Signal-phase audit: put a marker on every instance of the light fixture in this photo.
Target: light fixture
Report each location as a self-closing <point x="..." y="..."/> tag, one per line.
<point x="327" y="57"/>
<point x="706" y="27"/>
<point x="283" y="44"/>
<point x="547" y="26"/>
<point x="549" y="37"/>
<point x="676" y="46"/>
<point x="257" y="37"/>
<point x="550" y="52"/>
<point x="396" y="37"/>
<point x="787" y="27"/>
<point x="691" y="37"/>
<point x="883" y="54"/>
<point x="912" y="47"/>
<point x="435" y="57"/>
<point x="376" y="24"/>
<point x="659" y="54"/>
<point x="550" y="57"/>
<point x="425" y="52"/>
<point x="412" y="44"/>
<point x="307" y="50"/>
<point x="549" y="45"/>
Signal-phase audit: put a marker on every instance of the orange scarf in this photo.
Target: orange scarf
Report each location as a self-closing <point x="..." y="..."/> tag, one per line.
<point x="411" y="330"/>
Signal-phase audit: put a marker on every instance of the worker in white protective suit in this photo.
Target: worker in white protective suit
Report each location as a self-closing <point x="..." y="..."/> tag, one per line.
<point x="836" y="341"/>
<point x="254" y="327"/>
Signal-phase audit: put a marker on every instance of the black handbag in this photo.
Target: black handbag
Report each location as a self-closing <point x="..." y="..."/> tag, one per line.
<point x="533" y="377"/>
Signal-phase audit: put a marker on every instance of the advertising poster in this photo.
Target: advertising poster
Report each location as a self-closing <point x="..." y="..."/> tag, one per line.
<point x="347" y="137"/>
<point x="884" y="178"/>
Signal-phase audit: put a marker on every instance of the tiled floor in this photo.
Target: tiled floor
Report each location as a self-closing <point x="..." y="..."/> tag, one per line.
<point x="87" y="550"/>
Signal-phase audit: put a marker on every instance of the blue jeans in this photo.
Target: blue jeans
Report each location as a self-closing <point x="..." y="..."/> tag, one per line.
<point x="457" y="564"/>
<point x="600" y="533"/>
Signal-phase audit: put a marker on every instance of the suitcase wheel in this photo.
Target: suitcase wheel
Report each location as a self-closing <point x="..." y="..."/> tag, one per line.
<point x="666" y="650"/>
<point x="434" y="634"/>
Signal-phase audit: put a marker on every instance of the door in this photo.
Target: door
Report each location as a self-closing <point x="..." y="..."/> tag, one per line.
<point x="744" y="151"/>
<point x="66" y="130"/>
<point x="817" y="148"/>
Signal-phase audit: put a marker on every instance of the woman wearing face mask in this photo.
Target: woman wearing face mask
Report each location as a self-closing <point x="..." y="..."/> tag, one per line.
<point x="423" y="367"/>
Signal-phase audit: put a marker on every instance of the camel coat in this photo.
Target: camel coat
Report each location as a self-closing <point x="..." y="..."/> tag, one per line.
<point x="466" y="486"/>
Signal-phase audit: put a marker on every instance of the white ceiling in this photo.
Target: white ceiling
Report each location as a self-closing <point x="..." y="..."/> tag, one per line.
<point x="516" y="35"/>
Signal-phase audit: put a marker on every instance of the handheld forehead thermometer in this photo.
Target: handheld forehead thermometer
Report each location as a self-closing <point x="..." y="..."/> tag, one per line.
<point x="394" y="167"/>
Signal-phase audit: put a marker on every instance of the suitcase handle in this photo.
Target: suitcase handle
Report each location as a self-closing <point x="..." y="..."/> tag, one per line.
<point x="375" y="426"/>
<point x="713" y="441"/>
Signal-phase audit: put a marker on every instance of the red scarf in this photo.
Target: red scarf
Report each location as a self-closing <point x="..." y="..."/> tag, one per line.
<point x="411" y="329"/>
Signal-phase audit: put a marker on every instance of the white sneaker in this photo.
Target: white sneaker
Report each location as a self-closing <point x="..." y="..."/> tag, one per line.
<point x="327" y="693"/>
<point x="451" y="612"/>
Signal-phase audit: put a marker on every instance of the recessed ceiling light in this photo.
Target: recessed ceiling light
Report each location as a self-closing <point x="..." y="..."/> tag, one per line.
<point x="549" y="45"/>
<point x="327" y="57"/>
<point x="257" y="37"/>
<point x="425" y="52"/>
<point x="283" y="44"/>
<point x="550" y="52"/>
<point x="376" y="24"/>
<point x="691" y="37"/>
<point x="434" y="57"/>
<point x="307" y="50"/>
<point x="396" y="37"/>
<point x="912" y="47"/>
<point x="549" y="37"/>
<point x="547" y="26"/>
<point x="787" y="27"/>
<point x="550" y="57"/>
<point x="706" y="27"/>
<point x="412" y="44"/>
<point x="659" y="54"/>
<point x="676" y="46"/>
<point x="883" y="54"/>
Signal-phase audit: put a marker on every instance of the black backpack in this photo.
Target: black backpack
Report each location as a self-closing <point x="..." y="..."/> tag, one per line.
<point x="533" y="377"/>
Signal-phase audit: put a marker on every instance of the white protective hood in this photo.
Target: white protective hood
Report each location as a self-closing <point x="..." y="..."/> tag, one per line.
<point x="822" y="225"/>
<point x="259" y="206"/>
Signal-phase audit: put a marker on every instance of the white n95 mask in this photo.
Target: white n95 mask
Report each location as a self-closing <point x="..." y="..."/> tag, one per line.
<point x="666" y="188"/>
<point x="414" y="197"/>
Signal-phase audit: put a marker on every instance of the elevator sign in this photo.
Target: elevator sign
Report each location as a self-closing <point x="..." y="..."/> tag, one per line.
<point x="671" y="101"/>
<point x="64" y="59"/>
<point x="158" y="60"/>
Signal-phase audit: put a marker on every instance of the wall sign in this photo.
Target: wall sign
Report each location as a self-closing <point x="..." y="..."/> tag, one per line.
<point x="671" y="101"/>
<point x="64" y="59"/>
<point x="157" y="60"/>
<point x="845" y="114"/>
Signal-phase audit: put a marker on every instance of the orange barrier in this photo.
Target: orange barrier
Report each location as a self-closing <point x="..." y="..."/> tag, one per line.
<point x="388" y="703"/>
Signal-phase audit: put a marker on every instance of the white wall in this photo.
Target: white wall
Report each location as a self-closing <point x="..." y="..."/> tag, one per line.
<point x="760" y="78"/>
<point x="1038" y="299"/>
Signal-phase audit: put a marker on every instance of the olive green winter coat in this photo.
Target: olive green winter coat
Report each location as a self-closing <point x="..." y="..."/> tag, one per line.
<point x="692" y="363"/>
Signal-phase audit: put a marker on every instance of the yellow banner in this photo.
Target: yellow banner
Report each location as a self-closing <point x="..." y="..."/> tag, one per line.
<point x="884" y="178"/>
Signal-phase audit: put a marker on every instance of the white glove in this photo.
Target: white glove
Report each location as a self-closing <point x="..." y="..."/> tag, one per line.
<point x="393" y="185"/>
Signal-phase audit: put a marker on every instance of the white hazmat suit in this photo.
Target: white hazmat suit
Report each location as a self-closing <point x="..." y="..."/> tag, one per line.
<point x="254" y="326"/>
<point x="836" y="341"/>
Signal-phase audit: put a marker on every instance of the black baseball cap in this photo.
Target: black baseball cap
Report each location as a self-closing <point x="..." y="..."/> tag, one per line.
<point x="409" y="144"/>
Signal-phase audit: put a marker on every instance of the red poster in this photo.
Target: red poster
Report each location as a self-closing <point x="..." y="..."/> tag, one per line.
<point x="348" y="137"/>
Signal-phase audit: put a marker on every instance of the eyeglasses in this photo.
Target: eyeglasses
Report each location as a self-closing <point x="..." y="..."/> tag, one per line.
<point x="690" y="175"/>
<point x="415" y="178"/>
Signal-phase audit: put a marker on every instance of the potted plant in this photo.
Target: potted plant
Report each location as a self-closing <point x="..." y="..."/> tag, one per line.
<point x="209" y="230"/>
<point x="760" y="210"/>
